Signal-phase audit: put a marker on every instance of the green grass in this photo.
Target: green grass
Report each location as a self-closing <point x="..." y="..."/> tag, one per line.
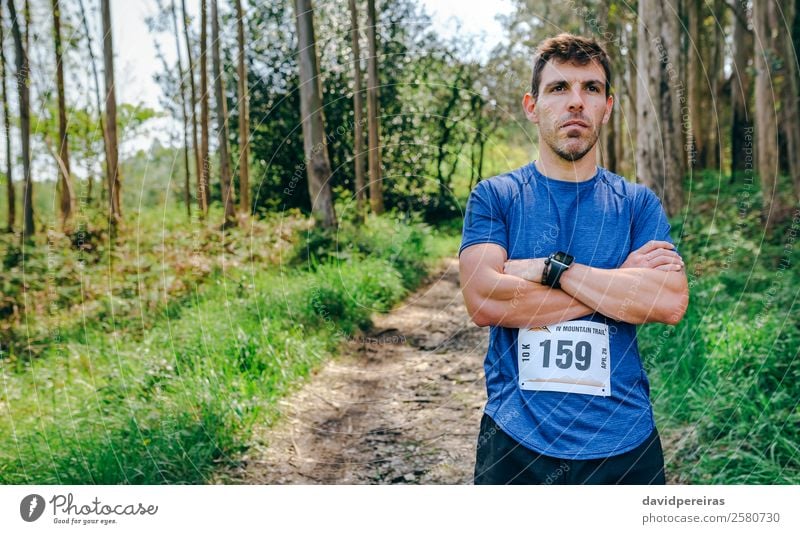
<point x="172" y="401"/>
<point x="726" y="380"/>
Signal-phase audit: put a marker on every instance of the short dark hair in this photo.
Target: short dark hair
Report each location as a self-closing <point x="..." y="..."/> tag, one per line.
<point x="569" y="48"/>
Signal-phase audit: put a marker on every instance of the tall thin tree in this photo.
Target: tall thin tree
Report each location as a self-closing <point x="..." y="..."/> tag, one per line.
<point x="375" y="178"/>
<point x="182" y="89"/>
<point x="766" y="124"/>
<point x="228" y="195"/>
<point x="98" y="100"/>
<point x="358" y="110"/>
<point x="65" y="189"/>
<point x="202" y="192"/>
<point x="790" y="107"/>
<point x="318" y="166"/>
<point x="115" y="179"/>
<point x="698" y="88"/>
<point x="23" y="89"/>
<point x="193" y="103"/>
<point x="244" y="116"/>
<point x="741" y="85"/>
<point x="12" y="203"/>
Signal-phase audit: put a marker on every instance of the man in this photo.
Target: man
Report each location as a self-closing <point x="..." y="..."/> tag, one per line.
<point x="563" y="259"/>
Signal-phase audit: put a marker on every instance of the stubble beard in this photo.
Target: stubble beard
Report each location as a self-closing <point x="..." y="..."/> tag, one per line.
<point x="575" y="154"/>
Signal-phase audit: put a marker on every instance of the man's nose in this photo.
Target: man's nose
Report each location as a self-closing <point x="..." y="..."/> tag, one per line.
<point x="575" y="100"/>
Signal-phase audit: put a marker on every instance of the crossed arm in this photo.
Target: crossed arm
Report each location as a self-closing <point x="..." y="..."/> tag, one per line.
<point x="650" y="286"/>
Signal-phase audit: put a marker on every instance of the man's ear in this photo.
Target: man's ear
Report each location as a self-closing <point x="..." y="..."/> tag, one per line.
<point x="609" y="109"/>
<point x="530" y="109"/>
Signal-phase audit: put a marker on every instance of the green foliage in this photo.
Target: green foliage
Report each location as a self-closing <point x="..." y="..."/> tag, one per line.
<point x="727" y="378"/>
<point x="170" y="402"/>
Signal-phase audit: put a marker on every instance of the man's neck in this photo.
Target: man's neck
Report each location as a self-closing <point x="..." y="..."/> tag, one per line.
<point x="557" y="168"/>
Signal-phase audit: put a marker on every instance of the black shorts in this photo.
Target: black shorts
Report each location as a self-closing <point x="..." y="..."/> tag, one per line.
<point x="501" y="460"/>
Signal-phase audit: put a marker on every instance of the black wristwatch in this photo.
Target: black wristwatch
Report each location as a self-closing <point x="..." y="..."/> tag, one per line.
<point x="554" y="266"/>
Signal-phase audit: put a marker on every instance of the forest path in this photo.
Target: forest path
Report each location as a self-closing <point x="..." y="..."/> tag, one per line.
<point x="400" y="405"/>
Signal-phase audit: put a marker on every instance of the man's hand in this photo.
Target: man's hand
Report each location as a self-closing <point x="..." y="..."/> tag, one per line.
<point x="659" y="255"/>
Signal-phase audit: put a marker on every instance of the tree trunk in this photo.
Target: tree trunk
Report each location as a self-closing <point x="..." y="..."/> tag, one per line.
<point x="714" y="109"/>
<point x="244" y="117"/>
<point x="228" y="195"/>
<point x="187" y="177"/>
<point x="375" y="179"/>
<point x="660" y="149"/>
<point x="65" y="188"/>
<point x="23" y="88"/>
<point x="358" y="111"/>
<point x="198" y="162"/>
<point x="12" y="203"/>
<point x="698" y="89"/>
<point x="790" y="109"/>
<point x="111" y="120"/>
<point x="96" y="77"/>
<point x="766" y="126"/>
<point x="742" y="123"/>
<point x="202" y="193"/>
<point x="318" y="167"/>
<point x="608" y="138"/>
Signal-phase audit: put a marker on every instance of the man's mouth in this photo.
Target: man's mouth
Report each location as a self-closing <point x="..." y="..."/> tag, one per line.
<point x="575" y="123"/>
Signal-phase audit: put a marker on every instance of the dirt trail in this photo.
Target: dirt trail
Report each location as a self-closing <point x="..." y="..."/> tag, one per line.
<point x="402" y="405"/>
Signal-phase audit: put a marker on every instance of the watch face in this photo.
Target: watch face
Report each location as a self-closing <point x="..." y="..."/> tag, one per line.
<point x="564" y="258"/>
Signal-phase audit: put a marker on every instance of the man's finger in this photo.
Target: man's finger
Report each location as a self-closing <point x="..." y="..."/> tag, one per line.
<point x="661" y="252"/>
<point x="664" y="260"/>
<point x="669" y="267"/>
<point x="652" y="245"/>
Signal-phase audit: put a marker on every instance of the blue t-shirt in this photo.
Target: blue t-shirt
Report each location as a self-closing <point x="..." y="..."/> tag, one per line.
<point x="599" y="221"/>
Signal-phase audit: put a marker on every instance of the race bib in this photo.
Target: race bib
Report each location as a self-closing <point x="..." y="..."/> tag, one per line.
<point x="571" y="357"/>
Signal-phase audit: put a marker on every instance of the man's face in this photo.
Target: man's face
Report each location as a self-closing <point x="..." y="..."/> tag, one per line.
<point x="571" y="107"/>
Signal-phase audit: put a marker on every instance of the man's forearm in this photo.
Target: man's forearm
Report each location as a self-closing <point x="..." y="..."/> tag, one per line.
<point x="530" y="305"/>
<point x="636" y="296"/>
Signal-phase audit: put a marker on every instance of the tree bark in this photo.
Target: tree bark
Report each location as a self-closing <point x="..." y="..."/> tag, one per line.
<point x="187" y="177"/>
<point x="714" y="109"/>
<point x="202" y="192"/>
<point x="660" y="93"/>
<point x="65" y="189"/>
<point x="96" y="78"/>
<point x="698" y="89"/>
<point x="23" y="89"/>
<point x="244" y="117"/>
<point x="790" y="108"/>
<point x="742" y="122"/>
<point x="12" y="203"/>
<point x="358" y="111"/>
<point x="228" y="195"/>
<point x="111" y="120"/>
<point x="608" y="135"/>
<point x="766" y="125"/>
<point x="375" y="178"/>
<point x="198" y="162"/>
<point x="318" y="167"/>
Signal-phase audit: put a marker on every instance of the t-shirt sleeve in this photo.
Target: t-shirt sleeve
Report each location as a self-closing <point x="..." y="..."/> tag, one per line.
<point x="649" y="219"/>
<point x="484" y="219"/>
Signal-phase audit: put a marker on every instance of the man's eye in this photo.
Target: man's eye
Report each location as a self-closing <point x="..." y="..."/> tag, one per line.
<point x="593" y="88"/>
<point x="558" y="88"/>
